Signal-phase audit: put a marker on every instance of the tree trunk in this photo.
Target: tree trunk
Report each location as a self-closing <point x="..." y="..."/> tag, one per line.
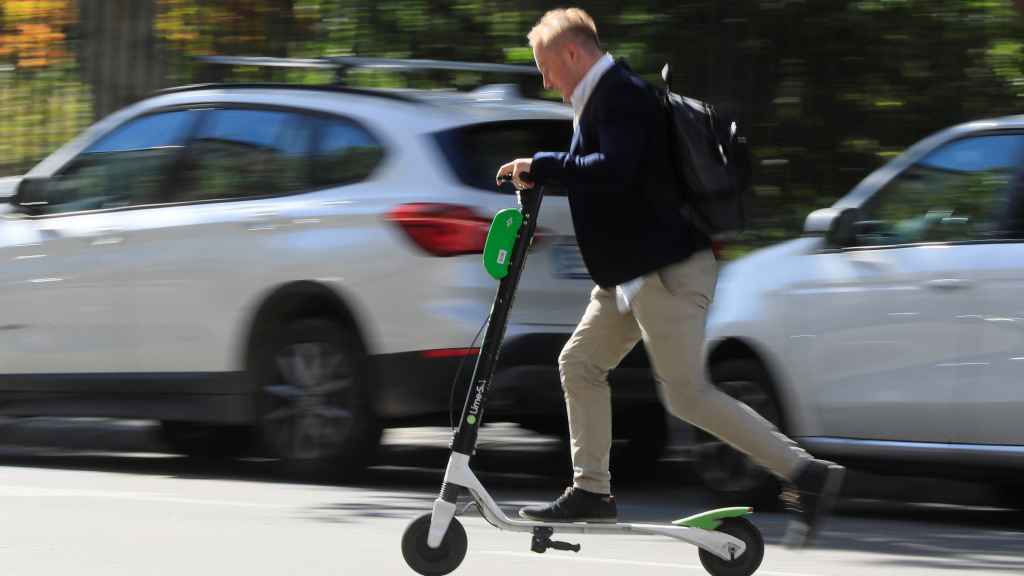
<point x="119" y="52"/>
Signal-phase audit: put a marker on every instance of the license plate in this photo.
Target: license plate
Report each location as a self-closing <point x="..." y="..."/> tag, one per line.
<point x="568" y="262"/>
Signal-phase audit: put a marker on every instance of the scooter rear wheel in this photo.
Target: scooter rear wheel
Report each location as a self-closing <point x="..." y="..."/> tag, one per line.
<point x="748" y="562"/>
<point x="433" y="561"/>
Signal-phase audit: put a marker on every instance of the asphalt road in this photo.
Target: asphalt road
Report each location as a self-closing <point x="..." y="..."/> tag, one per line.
<point x="92" y="497"/>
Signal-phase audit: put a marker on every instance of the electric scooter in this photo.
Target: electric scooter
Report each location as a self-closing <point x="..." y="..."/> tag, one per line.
<point x="435" y="543"/>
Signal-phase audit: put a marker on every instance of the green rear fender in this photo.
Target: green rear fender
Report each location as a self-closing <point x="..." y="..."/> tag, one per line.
<point x="712" y="519"/>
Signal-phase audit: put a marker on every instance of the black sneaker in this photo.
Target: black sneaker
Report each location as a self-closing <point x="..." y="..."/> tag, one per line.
<point x="575" y="505"/>
<point x="811" y="498"/>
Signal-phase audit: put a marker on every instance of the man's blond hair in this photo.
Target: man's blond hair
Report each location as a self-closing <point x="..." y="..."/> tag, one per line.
<point x="564" y="23"/>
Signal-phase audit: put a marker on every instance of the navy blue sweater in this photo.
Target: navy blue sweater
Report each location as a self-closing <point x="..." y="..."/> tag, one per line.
<point x="622" y="189"/>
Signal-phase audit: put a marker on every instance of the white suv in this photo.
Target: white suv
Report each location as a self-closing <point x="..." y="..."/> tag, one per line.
<point x="302" y="261"/>
<point x="891" y="335"/>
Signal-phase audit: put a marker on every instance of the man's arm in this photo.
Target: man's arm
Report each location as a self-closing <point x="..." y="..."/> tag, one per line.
<point x="624" y="129"/>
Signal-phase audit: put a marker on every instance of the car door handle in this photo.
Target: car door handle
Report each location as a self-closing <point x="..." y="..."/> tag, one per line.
<point x="869" y="260"/>
<point x="949" y="284"/>
<point x="107" y="241"/>
<point x="106" y="237"/>
<point x="260" y="219"/>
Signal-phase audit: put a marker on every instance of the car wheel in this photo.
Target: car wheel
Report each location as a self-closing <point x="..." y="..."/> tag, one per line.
<point x="206" y="440"/>
<point x="315" y="410"/>
<point x="641" y="433"/>
<point x="729" y="474"/>
<point x="1010" y="494"/>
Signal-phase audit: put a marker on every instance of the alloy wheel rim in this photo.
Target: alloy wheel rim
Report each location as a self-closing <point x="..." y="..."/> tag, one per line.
<point x="311" y="400"/>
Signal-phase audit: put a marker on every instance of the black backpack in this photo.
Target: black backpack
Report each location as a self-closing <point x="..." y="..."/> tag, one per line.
<point x="712" y="162"/>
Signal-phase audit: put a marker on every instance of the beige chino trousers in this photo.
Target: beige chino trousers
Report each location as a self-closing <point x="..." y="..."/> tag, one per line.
<point x="668" y="313"/>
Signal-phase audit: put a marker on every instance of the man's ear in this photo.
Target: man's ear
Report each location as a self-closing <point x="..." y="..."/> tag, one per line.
<point x="571" y="51"/>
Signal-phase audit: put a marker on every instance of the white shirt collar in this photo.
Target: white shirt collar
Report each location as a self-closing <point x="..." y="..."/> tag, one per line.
<point x="582" y="92"/>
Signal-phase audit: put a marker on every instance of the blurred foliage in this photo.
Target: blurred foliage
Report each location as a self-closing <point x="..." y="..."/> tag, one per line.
<point x="185" y="24"/>
<point x="33" y="32"/>
<point x="42" y="101"/>
<point x="828" y="90"/>
<point x="39" y="111"/>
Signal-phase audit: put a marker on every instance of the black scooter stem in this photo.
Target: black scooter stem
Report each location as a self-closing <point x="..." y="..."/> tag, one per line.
<point x="464" y="441"/>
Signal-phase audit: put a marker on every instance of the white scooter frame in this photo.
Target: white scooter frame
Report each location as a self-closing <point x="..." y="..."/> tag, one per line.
<point x="458" y="473"/>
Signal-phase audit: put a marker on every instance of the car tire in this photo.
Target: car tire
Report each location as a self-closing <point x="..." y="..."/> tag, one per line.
<point x="732" y="477"/>
<point x="206" y="441"/>
<point x="315" y="413"/>
<point x="639" y="438"/>
<point x="641" y="434"/>
<point x="1009" y="495"/>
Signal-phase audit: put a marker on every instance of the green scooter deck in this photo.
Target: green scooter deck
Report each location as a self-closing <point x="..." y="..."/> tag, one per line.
<point x="712" y="519"/>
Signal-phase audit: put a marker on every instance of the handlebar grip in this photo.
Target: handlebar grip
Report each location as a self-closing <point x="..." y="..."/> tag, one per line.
<point x="508" y="177"/>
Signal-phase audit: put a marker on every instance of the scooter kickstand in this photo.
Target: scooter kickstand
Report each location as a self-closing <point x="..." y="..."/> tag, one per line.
<point x="542" y="541"/>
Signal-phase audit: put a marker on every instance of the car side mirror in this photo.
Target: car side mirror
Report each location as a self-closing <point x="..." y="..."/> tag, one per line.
<point x="846" y="228"/>
<point x="31" y="194"/>
<point x="839" y="226"/>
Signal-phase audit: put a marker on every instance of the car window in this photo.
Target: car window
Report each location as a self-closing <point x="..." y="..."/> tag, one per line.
<point x="961" y="191"/>
<point x="127" y="167"/>
<point x="153" y="131"/>
<point x="344" y="153"/>
<point x="1013" y="222"/>
<point x="238" y="153"/>
<point x="476" y="152"/>
<point x="979" y="154"/>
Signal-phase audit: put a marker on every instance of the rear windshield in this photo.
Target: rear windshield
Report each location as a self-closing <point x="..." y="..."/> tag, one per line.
<point x="476" y="152"/>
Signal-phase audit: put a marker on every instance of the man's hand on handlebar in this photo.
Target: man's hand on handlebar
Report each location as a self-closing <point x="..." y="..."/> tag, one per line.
<point x="518" y="171"/>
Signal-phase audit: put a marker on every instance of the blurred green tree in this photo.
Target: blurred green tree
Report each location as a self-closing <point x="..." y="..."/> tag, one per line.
<point x="828" y="90"/>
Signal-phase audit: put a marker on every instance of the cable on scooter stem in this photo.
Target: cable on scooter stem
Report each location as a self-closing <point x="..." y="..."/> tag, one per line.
<point x="507" y="178"/>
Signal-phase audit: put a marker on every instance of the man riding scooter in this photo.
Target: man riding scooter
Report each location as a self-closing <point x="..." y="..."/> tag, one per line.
<point x="655" y="274"/>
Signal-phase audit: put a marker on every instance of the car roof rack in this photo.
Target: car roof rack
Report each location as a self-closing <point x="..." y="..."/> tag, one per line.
<point x="285" y="86"/>
<point x="342" y="64"/>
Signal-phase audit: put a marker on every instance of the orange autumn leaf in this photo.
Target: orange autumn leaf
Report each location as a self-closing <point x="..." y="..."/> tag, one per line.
<point x="33" y="34"/>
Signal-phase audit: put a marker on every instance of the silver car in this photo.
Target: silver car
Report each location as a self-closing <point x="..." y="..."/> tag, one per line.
<point x="891" y="335"/>
<point x="298" y="265"/>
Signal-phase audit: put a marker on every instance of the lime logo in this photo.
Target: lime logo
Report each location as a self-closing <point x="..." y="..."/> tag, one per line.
<point x="474" y="409"/>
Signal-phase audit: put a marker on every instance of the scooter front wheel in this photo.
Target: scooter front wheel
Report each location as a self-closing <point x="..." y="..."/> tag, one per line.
<point x="748" y="562"/>
<point x="433" y="561"/>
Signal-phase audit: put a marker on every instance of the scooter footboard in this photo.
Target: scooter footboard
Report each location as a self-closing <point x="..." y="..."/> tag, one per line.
<point x="458" y="473"/>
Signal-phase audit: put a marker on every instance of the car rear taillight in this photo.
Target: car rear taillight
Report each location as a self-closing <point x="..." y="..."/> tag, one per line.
<point x="442" y="229"/>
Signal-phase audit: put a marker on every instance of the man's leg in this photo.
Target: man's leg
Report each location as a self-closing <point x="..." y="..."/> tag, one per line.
<point x="671" y="310"/>
<point x="601" y="340"/>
